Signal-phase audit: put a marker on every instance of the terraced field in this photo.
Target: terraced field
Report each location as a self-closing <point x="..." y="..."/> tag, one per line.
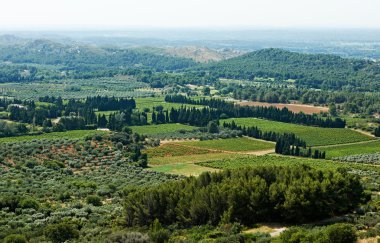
<point x="314" y="136"/>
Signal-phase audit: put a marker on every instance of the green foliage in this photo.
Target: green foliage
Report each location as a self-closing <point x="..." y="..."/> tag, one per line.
<point x="9" y="129"/>
<point x="135" y="237"/>
<point x="336" y="233"/>
<point x="61" y="232"/>
<point x="290" y="194"/>
<point x="78" y="134"/>
<point x="15" y="238"/>
<point x="212" y="127"/>
<point x="94" y="200"/>
<point x="157" y="233"/>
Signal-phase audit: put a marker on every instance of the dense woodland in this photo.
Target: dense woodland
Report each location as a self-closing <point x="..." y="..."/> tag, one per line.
<point x="247" y="196"/>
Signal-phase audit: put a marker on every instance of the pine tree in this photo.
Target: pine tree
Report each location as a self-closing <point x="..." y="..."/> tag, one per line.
<point x="154" y="118"/>
<point x="377" y="132"/>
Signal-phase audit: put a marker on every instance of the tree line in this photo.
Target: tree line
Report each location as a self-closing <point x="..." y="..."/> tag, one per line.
<point x="228" y="109"/>
<point x="249" y="195"/>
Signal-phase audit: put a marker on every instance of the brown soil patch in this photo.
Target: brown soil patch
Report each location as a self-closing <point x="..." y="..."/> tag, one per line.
<point x="307" y="109"/>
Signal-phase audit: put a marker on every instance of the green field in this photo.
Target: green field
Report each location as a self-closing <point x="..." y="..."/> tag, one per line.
<point x="313" y="136"/>
<point x="183" y="169"/>
<point x="275" y="160"/>
<point x="75" y="134"/>
<point x="232" y="144"/>
<point x="160" y="129"/>
<point x="351" y="149"/>
<point x="193" y="158"/>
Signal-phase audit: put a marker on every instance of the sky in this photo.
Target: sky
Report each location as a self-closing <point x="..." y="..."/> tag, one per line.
<point x="95" y="14"/>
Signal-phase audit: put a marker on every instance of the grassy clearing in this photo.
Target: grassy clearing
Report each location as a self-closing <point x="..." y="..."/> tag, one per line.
<point x="194" y="158"/>
<point x="76" y="134"/>
<point x="314" y="136"/>
<point x="351" y="149"/>
<point x="160" y="129"/>
<point x="232" y="144"/>
<point x="183" y="169"/>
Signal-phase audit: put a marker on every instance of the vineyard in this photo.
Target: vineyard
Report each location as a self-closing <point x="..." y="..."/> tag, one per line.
<point x="174" y="149"/>
<point x="231" y="144"/>
<point x="313" y="136"/>
<point x="361" y="158"/>
<point x="184" y="169"/>
<point x="352" y="149"/>
<point x="270" y="160"/>
<point x="162" y="129"/>
<point x="188" y="159"/>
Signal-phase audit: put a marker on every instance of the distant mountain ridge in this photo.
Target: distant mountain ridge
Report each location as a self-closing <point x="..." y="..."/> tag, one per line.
<point x="48" y="52"/>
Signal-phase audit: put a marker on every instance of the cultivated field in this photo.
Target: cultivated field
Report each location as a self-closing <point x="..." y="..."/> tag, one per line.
<point x="307" y="109"/>
<point x="274" y="160"/>
<point x="231" y="144"/>
<point x="161" y="129"/>
<point x="185" y="169"/>
<point x="314" y="136"/>
<point x="189" y="159"/>
<point x="351" y="149"/>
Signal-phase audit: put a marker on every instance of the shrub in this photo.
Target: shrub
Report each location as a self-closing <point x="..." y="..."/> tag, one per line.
<point x="29" y="203"/>
<point x="336" y="233"/>
<point x="61" y="232"/>
<point x="135" y="237"/>
<point x="15" y="238"/>
<point x="94" y="200"/>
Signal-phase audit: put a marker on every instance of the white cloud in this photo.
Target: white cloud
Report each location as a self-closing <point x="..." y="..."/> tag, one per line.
<point x="190" y="13"/>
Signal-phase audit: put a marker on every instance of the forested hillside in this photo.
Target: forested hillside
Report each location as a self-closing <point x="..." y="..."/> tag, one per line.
<point x="308" y="70"/>
<point x="84" y="58"/>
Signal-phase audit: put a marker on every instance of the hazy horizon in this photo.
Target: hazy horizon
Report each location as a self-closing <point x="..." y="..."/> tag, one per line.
<point x="80" y="15"/>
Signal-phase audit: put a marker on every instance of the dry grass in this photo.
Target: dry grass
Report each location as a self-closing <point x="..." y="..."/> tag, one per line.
<point x="307" y="109"/>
